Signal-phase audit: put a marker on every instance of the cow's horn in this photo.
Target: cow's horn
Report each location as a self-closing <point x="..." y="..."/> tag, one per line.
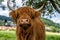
<point x="40" y="8"/>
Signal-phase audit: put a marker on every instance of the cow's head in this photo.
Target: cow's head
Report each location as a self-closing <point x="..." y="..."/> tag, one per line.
<point x="24" y="16"/>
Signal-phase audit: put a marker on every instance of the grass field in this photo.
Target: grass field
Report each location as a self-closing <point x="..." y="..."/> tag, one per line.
<point x="10" y="35"/>
<point x="7" y="35"/>
<point x="52" y="36"/>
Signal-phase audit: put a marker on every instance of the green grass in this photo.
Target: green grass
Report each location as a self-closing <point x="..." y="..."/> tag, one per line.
<point x="7" y="35"/>
<point x="52" y="36"/>
<point x="10" y="35"/>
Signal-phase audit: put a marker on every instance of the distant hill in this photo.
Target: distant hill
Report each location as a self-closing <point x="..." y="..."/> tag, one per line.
<point x="50" y="23"/>
<point x="46" y="21"/>
<point x="5" y="18"/>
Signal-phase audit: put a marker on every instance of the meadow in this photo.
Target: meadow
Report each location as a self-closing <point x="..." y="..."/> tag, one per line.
<point x="11" y="35"/>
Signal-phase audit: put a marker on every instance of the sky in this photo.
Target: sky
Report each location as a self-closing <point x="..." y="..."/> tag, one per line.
<point x="54" y="19"/>
<point x="6" y="12"/>
<point x="57" y="18"/>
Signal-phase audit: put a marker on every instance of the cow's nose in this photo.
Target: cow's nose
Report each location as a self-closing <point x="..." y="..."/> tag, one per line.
<point x="24" y="21"/>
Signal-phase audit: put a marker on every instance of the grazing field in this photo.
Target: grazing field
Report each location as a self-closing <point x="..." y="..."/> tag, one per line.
<point x="52" y="36"/>
<point x="10" y="35"/>
<point x="7" y="35"/>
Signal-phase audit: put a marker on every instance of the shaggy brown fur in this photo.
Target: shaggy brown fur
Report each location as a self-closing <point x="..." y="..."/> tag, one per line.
<point x="36" y="31"/>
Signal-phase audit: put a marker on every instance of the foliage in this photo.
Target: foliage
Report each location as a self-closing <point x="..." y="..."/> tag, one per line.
<point x="2" y="23"/>
<point x="55" y="29"/>
<point x="50" y="5"/>
<point x="5" y="18"/>
<point x="49" y="23"/>
<point x="1" y="0"/>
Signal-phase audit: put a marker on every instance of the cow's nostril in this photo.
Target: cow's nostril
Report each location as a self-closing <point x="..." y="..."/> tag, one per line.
<point x="27" y="20"/>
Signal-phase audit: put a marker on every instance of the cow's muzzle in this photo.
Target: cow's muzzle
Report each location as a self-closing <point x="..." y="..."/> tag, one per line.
<point x="25" y="26"/>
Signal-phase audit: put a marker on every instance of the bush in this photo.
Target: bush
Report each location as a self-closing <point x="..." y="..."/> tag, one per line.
<point x="54" y="29"/>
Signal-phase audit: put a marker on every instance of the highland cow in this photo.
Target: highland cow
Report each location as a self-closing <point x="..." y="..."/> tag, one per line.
<point x="28" y="24"/>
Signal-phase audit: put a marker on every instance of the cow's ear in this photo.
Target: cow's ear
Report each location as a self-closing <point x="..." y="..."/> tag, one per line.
<point x="37" y="14"/>
<point x="13" y="15"/>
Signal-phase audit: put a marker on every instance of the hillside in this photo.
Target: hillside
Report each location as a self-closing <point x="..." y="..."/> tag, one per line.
<point x="5" y="18"/>
<point x="50" y="23"/>
<point x="46" y="21"/>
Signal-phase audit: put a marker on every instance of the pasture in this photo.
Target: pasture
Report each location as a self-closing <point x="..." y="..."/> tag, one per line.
<point x="11" y="35"/>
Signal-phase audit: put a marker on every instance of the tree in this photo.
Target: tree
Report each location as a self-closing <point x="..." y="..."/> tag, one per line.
<point x="1" y="5"/>
<point x="47" y="6"/>
<point x="1" y="1"/>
